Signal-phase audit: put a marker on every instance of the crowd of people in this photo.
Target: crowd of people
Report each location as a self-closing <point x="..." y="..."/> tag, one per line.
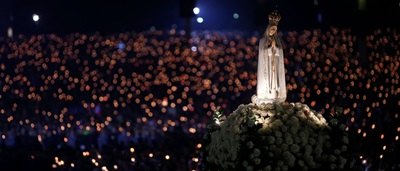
<point x="142" y="100"/>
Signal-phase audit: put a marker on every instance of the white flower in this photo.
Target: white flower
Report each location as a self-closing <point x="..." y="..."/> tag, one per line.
<point x="342" y="162"/>
<point x="312" y="141"/>
<point x="278" y="133"/>
<point x="289" y="158"/>
<point x="257" y="161"/>
<point x="300" y="162"/>
<point x="309" y="160"/>
<point x="250" y="144"/>
<point x="318" y="151"/>
<point x="294" y="129"/>
<point x="279" y="141"/>
<point x="285" y="147"/>
<point x="345" y="140"/>
<point x="249" y="168"/>
<point x="285" y="116"/>
<point x="294" y="148"/>
<point x="308" y="149"/>
<point x="344" y="148"/>
<point x="288" y="139"/>
<point x="256" y="152"/>
<point x="332" y="158"/>
<point x="284" y="128"/>
<point x="333" y="166"/>
<point x="298" y="105"/>
<point x="271" y="140"/>
<point x="280" y="163"/>
<point x="268" y="168"/>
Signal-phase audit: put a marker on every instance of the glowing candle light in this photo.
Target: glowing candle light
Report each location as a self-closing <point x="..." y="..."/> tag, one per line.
<point x="192" y="130"/>
<point x="364" y="161"/>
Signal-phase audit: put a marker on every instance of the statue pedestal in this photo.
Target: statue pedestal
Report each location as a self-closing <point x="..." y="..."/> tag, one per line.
<point x="259" y="101"/>
<point x="274" y="136"/>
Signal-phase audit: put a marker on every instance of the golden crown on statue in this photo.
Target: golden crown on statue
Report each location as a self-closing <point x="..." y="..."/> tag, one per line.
<point x="274" y="18"/>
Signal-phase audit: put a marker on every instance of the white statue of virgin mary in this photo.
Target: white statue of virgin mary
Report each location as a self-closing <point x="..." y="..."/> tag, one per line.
<point x="271" y="85"/>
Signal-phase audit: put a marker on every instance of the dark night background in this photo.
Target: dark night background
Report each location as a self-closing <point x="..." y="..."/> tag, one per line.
<point x="116" y="81"/>
<point x="64" y="16"/>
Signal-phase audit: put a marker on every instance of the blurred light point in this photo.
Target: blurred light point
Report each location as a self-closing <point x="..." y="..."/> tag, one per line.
<point x="196" y="10"/>
<point x="167" y="157"/>
<point x="9" y="32"/>
<point x="200" y="19"/>
<point x="319" y="17"/>
<point x="121" y="45"/>
<point x="35" y="17"/>
<point x="235" y="16"/>
<point x="194" y="48"/>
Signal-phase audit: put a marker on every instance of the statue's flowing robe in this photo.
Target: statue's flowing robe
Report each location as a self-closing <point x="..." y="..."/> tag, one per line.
<point x="271" y="85"/>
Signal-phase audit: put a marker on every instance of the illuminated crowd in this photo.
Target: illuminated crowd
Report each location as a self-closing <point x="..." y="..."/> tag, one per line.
<point x="142" y="100"/>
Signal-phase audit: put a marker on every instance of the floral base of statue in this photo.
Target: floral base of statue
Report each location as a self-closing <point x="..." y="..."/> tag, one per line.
<point x="275" y="136"/>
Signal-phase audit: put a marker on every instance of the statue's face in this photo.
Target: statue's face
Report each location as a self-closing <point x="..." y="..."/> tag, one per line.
<point x="272" y="30"/>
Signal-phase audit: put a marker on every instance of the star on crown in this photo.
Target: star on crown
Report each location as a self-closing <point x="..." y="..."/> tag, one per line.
<point x="274" y="18"/>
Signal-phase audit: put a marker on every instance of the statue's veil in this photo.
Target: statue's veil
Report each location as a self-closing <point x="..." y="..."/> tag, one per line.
<point x="268" y="39"/>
